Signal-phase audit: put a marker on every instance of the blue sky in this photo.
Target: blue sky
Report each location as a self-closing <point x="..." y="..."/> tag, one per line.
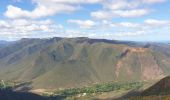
<point x="134" y="20"/>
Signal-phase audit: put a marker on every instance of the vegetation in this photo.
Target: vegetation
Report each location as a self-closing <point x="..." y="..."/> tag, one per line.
<point x="7" y="93"/>
<point x="98" y="88"/>
<point x="6" y="86"/>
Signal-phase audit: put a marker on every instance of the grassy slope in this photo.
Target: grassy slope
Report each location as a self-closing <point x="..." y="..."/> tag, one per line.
<point x="56" y="63"/>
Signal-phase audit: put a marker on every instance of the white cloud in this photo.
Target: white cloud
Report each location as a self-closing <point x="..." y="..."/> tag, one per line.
<point x="20" y="28"/>
<point x="106" y="24"/>
<point x="119" y="13"/>
<point x="28" y="28"/>
<point x="119" y="30"/>
<point x="38" y="12"/>
<point x="68" y="1"/>
<point x="153" y="1"/>
<point x="124" y="8"/>
<point x="111" y="8"/>
<point x="128" y="25"/>
<point x="102" y="15"/>
<point x="24" y="23"/>
<point x="131" y="13"/>
<point x="154" y="22"/>
<point x="4" y="24"/>
<point x="131" y="34"/>
<point x="120" y="4"/>
<point x="147" y="24"/>
<point x="46" y="8"/>
<point x="128" y="4"/>
<point x="83" y="24"/>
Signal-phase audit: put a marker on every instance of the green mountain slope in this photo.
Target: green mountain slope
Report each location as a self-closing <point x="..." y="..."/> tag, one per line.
<point x="75" y="62"/>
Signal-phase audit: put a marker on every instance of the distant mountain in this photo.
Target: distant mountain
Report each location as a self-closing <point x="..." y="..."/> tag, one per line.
<point x="75" y="62"/>
<point x="3" y="43"/>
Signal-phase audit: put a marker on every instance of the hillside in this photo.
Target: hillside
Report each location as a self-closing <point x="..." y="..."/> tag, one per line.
<point x="9" y="95"/>
<point x="158" y="91"/>
<point x="3" y="44"/>
<point x="76" y="62"/>
<point x="160" y="88"/>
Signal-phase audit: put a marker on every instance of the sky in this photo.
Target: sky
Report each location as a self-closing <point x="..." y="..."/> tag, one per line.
<point x="133" y="20"/>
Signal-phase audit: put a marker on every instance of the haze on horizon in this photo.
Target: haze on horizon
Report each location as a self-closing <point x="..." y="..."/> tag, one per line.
<point x="134" y="20"/>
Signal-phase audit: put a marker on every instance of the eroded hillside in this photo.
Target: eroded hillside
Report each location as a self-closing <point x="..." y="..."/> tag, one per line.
<point x="75" y="62"/>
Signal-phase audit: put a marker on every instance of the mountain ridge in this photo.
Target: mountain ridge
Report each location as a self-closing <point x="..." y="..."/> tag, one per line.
<point x="75" y="62"/>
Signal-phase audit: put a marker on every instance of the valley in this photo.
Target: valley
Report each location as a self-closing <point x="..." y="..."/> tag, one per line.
<point x="82" y="67"/>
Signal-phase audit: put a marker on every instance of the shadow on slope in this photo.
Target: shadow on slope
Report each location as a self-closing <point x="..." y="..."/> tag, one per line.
<point x="159" y="91"/>
<point x="10" y="95"/>
<point x="128" y="95"/>
<point x="160" y="88"/>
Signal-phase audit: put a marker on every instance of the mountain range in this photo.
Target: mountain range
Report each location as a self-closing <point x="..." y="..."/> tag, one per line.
<point x="76" y="62"/>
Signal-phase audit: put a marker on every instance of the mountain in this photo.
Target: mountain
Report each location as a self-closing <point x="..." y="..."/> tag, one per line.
<point x="75" y="62"/>
<point x="3" y="43"/>
<point x="159" y="91"/>
<point x="160" y="88"/>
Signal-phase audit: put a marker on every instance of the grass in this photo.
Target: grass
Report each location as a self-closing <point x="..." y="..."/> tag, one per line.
<point x="95" y="89"/>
